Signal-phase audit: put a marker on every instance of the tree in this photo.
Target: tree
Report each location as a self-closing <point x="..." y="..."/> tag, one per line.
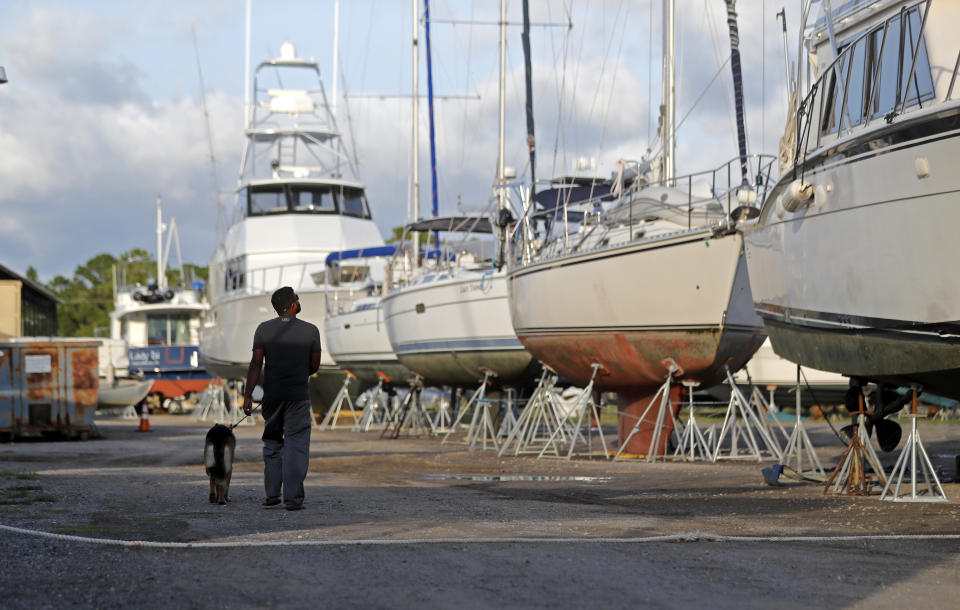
<point x="32" y="274"/>
<point x="88" y="296"/>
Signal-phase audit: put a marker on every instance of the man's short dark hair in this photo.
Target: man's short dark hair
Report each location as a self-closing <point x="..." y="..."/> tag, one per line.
<point x="283" y="298"/>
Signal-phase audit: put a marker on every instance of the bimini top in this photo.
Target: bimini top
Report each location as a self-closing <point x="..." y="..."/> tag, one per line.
<point x="453" y="224"/>
<point x="360" y="253"/>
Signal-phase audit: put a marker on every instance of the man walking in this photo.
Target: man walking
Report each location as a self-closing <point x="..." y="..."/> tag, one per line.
<point x="292" y="351"/>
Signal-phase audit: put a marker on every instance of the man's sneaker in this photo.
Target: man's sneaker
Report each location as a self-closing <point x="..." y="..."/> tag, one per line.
<point x="271" y="501"/>
<point x="294" y="506"/>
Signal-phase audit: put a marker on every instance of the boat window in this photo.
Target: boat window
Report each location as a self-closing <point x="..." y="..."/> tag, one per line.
<point x="312" y="200"/>
<point x="233" y="278"/>
<point x="268" y="200"/>
<point x="894" y="66"/>
<point x="862" y="68"/>
<point x="354" y="273"/>
<point x="168" y="328"/>
<point x="353" y="203"/>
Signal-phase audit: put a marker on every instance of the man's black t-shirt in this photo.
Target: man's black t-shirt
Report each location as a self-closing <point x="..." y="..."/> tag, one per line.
<point x="287" y="344"/>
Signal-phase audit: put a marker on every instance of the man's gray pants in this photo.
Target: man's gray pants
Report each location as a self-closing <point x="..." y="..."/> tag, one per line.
<point x="286" y="449"/>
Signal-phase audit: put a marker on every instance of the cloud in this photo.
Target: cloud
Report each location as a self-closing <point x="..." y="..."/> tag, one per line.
<point x="86" y="151"/>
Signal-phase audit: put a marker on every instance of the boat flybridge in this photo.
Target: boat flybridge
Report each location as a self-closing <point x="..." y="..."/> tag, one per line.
<point x="646" y="277"/>
<point x="298" y="202"/>
<point x="850" y="257"/>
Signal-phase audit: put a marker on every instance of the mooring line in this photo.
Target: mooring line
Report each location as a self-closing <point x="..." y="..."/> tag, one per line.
<point x="693" y="536"/>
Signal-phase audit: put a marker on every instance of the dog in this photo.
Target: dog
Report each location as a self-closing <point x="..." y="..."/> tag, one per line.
<point x="218" y="461"/>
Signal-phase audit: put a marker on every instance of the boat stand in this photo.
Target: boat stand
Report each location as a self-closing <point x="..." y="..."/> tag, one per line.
<point x="409" y="414"/>
<point x="849" y="478"/>
<point x="444" y="417"/>
<point x="584" y="406"/>
<point x="211" y="406"/>
<point x="478" y="398"/>
<point x="799" y="446"/>
<point x="510" y="415"/>
<point x="693" y="446"/>
<point x="538" y="420"/>
<point x="376" y="409"/>
<point x="742" y="422"/>
<point x="912" y="453"/>
<point x="663" y="411"/>
<point x="332" y="419"/>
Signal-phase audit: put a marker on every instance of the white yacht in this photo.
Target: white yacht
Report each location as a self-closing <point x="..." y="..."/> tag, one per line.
<point x="850" y="256"/>
<point x="452" y="320"/>
<point x="160" y="324"/>
<point x="297" y="203"/>
<point x="655" y="277"/>
<point x="356" y="330"/>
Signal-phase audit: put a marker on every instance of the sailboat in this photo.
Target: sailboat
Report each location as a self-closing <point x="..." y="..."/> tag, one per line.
<point x="651" y="285"/>
<point x="298" y="201"/>
<point x="849" y="257"/>
<point x="451" y="323"/>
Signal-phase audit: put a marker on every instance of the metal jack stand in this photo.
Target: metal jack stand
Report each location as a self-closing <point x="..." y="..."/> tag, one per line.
<point x="441" y="423"/>
<point x="913" y="449"/>
<point x="664" y="409"/>
<point x="800" y="446"/>
<point x="478" y="397"/>
<point x="375" y="412"/>
<point x="409" y="414"/>
<point x="693" y="446"/>
<point x="584" y="405"/>
<point x="751" y="427"/>
<point x="212" y="406"/>
<point x="332" y="418"/>
<point x="539" y="419"/>
<point x="849" y="477"/>
<point x="509" y="421"/>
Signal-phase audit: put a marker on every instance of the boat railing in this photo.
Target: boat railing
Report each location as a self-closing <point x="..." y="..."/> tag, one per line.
<point x="263" y="280"/>
<point x="588" y="226"/>
<point x="819" y="123"/>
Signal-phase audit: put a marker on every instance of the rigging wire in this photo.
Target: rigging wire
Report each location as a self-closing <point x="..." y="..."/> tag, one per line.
<point x="559" y="142"/>
<point x="613" y="80"/>
<point x="650" y="140"/>
<point x="463" y="139"/>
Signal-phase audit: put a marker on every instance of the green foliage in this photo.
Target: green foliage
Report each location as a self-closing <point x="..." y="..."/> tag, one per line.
<point x="88" y="296"/>
<point x="31" y="274"/>
<point x="397" y="236"/>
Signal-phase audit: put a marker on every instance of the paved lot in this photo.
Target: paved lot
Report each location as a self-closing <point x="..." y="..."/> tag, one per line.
<point x="363" y="491"/>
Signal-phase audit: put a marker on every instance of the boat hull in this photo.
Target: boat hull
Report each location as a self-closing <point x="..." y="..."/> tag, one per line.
<point x="851" y="283"/>
<point x="122" y="393"/>
<point x="449" y="330"/>
<point x="687" y="300"/>
<point x="358" y="342"/>
<point x="226" y="342"/>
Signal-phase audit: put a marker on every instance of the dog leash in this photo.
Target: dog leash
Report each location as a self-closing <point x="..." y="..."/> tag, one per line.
<point x="239" y="421"/>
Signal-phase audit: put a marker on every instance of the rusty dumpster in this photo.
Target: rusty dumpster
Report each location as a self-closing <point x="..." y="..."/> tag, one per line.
<point x="48" y="386"/>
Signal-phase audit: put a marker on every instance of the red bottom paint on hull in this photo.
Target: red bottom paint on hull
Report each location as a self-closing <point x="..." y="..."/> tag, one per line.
<point x="635" y="364"/>
<point x="172" y="388"/>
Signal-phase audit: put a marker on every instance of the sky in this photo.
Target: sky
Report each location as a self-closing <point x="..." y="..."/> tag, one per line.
<point x="103" y="111"/>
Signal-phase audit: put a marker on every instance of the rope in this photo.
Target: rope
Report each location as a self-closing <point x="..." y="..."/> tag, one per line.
<point x="693" y="536"/>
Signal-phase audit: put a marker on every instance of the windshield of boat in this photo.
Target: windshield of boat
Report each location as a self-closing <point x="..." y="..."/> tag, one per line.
<point x="267" y="199"/>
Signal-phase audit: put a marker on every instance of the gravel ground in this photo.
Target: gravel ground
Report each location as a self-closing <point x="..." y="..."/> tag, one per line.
<point x="150" y="486"/>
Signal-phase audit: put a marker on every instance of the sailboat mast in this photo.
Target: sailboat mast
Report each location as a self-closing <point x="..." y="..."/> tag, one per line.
<point x="501" y="194"/>
<point x="433" y="141"/>
<point x="161" y="280"/>
<point x="669" y="98"/>
<point x="415" y="133"/>
<point x="531" y="141"/>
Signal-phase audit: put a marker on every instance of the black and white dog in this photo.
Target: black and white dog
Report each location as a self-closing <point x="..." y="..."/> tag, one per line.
<point x="218" y="461"/>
